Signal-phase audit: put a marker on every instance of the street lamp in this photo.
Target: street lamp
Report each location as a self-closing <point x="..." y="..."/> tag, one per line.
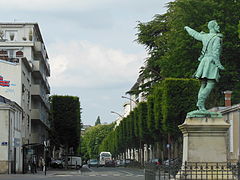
<point x="117" y="114"/>
<point x="131" y="105"/>
<point x="130" y="99"/>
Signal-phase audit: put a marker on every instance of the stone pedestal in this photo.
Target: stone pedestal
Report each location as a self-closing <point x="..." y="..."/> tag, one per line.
<point x="204" y="142"/>
<point x="204" y="139"/>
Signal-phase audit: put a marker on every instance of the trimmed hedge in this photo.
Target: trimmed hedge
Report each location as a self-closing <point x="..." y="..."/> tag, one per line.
<point x="179" y="96"/>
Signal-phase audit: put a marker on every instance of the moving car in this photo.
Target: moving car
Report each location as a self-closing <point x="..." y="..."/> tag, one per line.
<point x="93" y="163"/>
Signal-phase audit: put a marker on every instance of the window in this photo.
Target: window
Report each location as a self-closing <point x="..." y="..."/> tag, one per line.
<point x="19" y="54"/>
<point x="11" y="53"/>
<point x="23" y="88"/>
<point x="11" y="35"/>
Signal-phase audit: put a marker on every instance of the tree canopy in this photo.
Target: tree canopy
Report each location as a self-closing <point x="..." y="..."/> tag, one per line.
<point x="66" y="119"/>
<point x="93" y="138"/>
<point x="173" y="54"/>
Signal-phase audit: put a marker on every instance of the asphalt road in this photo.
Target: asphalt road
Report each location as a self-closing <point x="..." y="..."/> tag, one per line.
<point x="101" y="173"/>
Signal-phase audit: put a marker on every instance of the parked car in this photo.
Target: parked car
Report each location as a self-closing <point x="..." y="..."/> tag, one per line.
<point x="93" y="163"/>
<point x="57" y="163"/>
<point x="171" y="162"/>
<point x="132" y="163"/>
<point x="120" y="162"/>
<point x="172" y="166"/>
<point x="155" y="161"/>
<point x="110" y="163"/>
<point x="74" y="162"/>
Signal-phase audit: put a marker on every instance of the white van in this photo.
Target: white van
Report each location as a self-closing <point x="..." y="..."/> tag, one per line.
<point x="74" y="162"/>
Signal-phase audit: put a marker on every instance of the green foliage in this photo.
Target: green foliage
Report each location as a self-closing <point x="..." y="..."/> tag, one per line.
<point x="144" y="133"/>
<point x="135" y="121"/>
<point x="179" y="97"/>
<point x="172" y="53"/>
<point x="93" y="138"/>
<point x="239" y="29"/>
<point x="150" y="113"/>
<point x="98" y="121"/>
<point x="66" y="119"/>
<point x="157" y="108"/>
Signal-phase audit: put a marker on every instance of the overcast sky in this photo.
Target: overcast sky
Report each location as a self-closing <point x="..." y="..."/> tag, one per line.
<point x="91" y="47"/>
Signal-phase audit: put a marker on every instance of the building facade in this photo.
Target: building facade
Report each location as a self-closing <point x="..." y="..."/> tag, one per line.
<point x="10" y="136"/>
<point x="24" y="72"/>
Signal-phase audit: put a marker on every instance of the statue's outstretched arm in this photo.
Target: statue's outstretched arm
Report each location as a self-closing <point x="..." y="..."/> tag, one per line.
<point x="193" y="33"/>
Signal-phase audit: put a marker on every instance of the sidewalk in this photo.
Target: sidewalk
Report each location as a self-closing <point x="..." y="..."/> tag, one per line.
<point x="49" y="173"/>
<point x="53" y="172"/>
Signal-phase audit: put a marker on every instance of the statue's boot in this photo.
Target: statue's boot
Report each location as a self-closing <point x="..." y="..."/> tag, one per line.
<point x="200" y="104"/>
<point x="204" y="93"/>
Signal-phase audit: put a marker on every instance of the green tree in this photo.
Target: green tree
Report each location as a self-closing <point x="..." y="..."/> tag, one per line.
<point x="66" y="119"/>
<point x="239" y="29"/>
<point x="93" y="138"/>
<point x="98" y="121"/>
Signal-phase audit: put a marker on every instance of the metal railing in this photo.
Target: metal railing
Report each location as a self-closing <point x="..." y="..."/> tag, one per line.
<point x="191" y="171"/>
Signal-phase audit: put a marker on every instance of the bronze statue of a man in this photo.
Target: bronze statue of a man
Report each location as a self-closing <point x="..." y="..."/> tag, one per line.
<point x="209" y="66"/>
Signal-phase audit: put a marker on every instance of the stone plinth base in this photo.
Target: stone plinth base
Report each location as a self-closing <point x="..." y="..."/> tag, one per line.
<point x="204" y="140"/>
<point x="204" y="147"/>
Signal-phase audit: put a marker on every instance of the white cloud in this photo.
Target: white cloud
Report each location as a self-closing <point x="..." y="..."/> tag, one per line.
<point x="83" y="64"/>
<point x="80" y="5"/>
<point x="52" y="4"/>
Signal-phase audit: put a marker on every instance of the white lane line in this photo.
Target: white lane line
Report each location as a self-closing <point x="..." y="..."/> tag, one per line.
<point x="128" y="173"/>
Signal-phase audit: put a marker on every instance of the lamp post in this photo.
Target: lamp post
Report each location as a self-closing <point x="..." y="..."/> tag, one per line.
<point x="130" y="99"/>
<point x="117" y="114"/>
<point x="124" y="97"/>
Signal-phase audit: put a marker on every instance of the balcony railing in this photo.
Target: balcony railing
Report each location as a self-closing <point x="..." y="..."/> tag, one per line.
<point x="37" y="90"/>
<point x="39" y="48"/>
<point x="40" y="115"/>
<point x="40" y="73"/>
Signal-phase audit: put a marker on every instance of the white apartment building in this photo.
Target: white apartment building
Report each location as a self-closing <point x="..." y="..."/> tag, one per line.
<point x="24" y="72"/>
<point x="11" y="155"/>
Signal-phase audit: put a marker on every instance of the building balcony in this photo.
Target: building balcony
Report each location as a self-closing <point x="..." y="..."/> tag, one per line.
<point x="36" y="114"/>
<point x="38" y="73"/>
<point x="36" y="90"/>
<point x="40" y="51"/>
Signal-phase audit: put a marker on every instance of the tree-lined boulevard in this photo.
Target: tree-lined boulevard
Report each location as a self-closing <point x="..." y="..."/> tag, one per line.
<point x="181" y="120"/>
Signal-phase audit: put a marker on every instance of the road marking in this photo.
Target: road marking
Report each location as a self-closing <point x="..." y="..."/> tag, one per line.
<point x="128" y="173"/>
<point x="63" y="175"/>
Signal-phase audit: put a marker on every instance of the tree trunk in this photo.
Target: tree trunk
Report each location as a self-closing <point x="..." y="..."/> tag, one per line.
<point x="66" y="156"/>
